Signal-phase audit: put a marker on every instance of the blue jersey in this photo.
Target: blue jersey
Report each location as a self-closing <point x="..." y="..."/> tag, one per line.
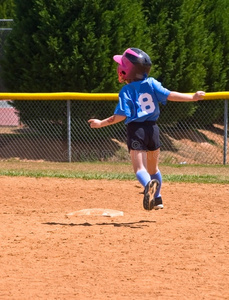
<point x="139" y="100"/>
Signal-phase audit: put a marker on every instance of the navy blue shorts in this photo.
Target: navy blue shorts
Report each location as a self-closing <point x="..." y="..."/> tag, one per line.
<point x="143" y="136"/>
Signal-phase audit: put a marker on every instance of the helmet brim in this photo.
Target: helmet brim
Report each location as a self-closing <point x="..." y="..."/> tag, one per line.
<point x="118" y="59"/>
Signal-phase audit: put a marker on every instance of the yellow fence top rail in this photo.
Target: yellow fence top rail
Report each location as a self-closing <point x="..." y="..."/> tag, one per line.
<point x="58" y="96"/>
<point x="86" y="96"/>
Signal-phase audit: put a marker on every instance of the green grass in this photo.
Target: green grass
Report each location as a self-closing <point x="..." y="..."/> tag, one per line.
<point x="87" y="175"/>
<point x="68" y="174"/>
<point x="196" y="179"/>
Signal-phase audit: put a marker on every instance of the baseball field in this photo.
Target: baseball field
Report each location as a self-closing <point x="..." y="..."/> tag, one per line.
<point x="180" y="252"/>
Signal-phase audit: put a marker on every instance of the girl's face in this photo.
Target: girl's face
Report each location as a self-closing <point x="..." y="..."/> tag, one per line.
<point x="121" y="75"/>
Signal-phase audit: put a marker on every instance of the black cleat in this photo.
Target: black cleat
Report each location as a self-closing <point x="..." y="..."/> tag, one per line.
<point x="149" y="192"/>
<point x="158" y="203"/>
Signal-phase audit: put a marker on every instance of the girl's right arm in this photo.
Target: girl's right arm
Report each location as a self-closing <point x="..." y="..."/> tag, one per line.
<point x="180" y="97"/>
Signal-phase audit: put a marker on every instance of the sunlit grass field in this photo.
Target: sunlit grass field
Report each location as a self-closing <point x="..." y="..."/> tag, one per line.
<point x="122" y="171"/>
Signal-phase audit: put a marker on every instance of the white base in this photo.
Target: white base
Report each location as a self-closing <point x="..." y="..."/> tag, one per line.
<point x="104" y="212"/>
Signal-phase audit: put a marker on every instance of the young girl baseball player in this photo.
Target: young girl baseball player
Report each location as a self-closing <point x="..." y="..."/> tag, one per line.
<point x="139" y="106"/>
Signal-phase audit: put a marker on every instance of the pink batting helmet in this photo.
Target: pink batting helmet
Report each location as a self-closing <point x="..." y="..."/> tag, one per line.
<point x="134" y="65"/>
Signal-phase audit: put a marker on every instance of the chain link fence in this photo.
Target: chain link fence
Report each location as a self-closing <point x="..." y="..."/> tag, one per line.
<point x="59" y="131"/>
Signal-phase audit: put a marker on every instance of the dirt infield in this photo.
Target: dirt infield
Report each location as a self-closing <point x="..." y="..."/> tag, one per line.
<point x="180" y="252"/>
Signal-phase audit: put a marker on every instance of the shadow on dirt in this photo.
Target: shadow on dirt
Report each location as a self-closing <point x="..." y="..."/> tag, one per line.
<point x="138" y="224"/>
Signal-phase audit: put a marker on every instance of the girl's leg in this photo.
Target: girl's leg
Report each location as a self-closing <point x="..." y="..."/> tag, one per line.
<point x="139" y="162"/>
<point x="152" y="167"/>
<point x="152" y="161"/>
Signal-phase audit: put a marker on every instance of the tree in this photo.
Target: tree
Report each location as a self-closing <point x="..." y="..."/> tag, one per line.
<point x="7" y="9"/>
<point x="217" y="63"/>
<point x="6" y="12"/>
<point x="68" y="46"/>
<point x="180" y="49"/>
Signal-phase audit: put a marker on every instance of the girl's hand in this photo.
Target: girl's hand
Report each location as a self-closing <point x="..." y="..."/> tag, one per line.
<point x="94" y="123"/>
<point x="198" y="96"/>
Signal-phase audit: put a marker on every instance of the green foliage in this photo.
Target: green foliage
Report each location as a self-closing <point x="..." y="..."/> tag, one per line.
<point x="218" y="27"/>
<point x="6" y="9"/>
<point x="178" y="36"/>
<point x="176" y="41"/>
<point x="190" y="52"/>
<point x="216" y="64"/>
<point x="6" y="12"/>
<point x="68" y="46"/>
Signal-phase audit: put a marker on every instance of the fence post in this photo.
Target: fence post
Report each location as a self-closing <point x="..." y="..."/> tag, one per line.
<point x="69" y="130"/>
<point x="6" y="20"/>
<point x="225" y="131"/>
